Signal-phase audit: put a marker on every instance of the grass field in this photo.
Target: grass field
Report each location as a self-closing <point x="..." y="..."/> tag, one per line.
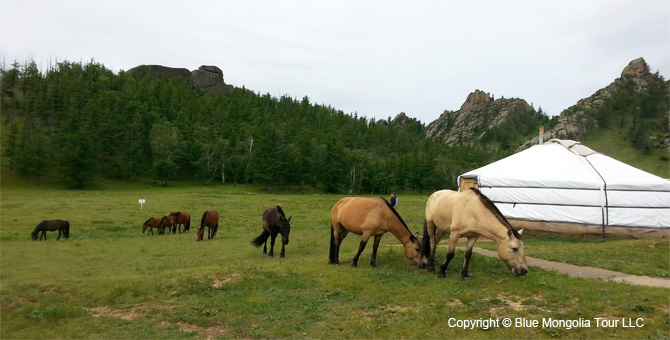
<point x="110" y="281"/>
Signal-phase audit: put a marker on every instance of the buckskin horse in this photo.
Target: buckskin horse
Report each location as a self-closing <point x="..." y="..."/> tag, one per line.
<point x="180" y="218"/>
<point x="274" y="222"/>
<point x="469" y="214"/>
<point x="151" y="223"/>
<point x="368" y="217"/>
<point x="63" y="228"/>
<point x="209" y="219"/>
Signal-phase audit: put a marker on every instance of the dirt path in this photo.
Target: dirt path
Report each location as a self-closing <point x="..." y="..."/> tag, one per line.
<point x="587" y="272"/>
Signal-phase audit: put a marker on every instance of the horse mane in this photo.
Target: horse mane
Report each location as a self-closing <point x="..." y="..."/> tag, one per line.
<point x="398" y="216"/>
<point x="145" y="222"/>
<point x="281" y="211"/>
<point x="494" y="210"/>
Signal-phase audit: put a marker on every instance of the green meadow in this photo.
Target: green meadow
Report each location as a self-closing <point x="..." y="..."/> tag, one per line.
<point x="110" y="281"/>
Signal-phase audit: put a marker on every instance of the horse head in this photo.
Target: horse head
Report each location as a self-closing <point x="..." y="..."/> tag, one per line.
<point x="284" y="228"/>
<point x="413" y="251"/>
<point x="510" y="250"/>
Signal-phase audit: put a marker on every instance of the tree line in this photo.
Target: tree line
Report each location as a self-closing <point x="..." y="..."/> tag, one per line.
<point x="81" y="121"/>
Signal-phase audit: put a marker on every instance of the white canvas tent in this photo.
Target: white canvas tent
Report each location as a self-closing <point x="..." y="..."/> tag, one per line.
<point x="564" y="186"/>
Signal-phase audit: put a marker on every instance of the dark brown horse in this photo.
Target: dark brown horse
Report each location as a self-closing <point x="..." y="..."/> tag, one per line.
<point x="209" y="219"/>
<point x="180" y="218"/>
<point x="368" y="217"/>
<point x="63" y="228"/>
<point x="274" y="222"/>
<point x="167" y="223"/>
<point x="151" y="223"/>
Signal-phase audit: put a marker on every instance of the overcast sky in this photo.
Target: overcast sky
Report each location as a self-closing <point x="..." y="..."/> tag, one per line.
<point x="377" y="58"/>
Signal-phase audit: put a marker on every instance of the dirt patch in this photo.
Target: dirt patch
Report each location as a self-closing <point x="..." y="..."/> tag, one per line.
<point x="134" y="313"/>
<point x="120" y="314"/>
<point x="218" y="283"/>
<point x="207" y="333"/>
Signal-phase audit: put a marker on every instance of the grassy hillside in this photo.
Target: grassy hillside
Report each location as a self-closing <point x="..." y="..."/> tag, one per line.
<point x="614" y="143"/>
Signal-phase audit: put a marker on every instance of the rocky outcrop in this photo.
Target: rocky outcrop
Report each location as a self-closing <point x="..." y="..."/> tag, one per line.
<point x="402" y="121"/>
<point x="205" y="78"/>
<point x="160" y="72"/>
<point x="637" y="68"/>
<point x="575" y="121"/>
<point x="210" y="79"/>
<point x="479" y="113"/>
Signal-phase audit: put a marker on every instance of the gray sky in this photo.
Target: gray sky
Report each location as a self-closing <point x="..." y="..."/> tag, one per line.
<point x="377" y="58"/>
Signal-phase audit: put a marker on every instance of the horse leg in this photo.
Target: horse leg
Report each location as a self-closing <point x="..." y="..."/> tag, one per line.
<point x="453" y="238"/>
<point x="435" y="236"/>
<point x="468" y="254"/>
<point x="44" y="234"/>
<point x="375" y="246"/>
<point x="59" y="234"/>
<point x="283" y="248"/>
<point x="334" y="244"/>
<point x="361" y="247"/>
<point x="273" y="236"/>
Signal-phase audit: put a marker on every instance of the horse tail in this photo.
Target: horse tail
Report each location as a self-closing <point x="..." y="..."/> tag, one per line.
<point x="188" y="225"/>
<point x="66" y="231"/>
<point x="260" y="240"/>
<point x="425" y="244"/>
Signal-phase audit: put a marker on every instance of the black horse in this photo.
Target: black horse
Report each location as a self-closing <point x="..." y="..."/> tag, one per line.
<point x="274" y="222"/>
<point x="63" y="228"/>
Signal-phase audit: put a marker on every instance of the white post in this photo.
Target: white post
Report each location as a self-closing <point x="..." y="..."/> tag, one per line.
<point x="142" y="201"/>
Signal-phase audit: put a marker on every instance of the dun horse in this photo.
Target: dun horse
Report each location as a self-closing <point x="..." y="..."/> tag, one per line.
<point x="368" y="217"/>
<point x="209" y="219"/>
<point x="274" y="222"/>
<point x="63" y="228"/>
<point x="151" y="223"/>
<point x="469" y="214"/>
<point x="180" y="218"/>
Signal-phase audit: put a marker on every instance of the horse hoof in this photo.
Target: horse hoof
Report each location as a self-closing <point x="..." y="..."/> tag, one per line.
<point x="282" y="256"/>
<point x="465" y="278"/>
<point x="441" y="275"/>
<point x="354" y="265"/>
<point x="375" y="267"/>
<point x="271" y="256"/>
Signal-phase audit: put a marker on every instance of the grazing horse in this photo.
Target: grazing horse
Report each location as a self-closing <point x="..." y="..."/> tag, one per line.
<point x="368" y="217"/>
<point x="209" y="219"/>
<point x="180" y="218"/>
<point x="274" y="222"/>
<point x="151" y="223"/>
<point x="167" y="223"/>
<point x="63" y="228"/>
<point x="469" y="214"/>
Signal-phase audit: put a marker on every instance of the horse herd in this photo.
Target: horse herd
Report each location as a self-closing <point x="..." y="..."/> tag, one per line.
<point x="175" y="220"/>
<point x="468" y="214"/>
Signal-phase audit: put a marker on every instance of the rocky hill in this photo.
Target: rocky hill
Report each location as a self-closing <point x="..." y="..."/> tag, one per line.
<point x="636" y="102"/>
<point x="479" y="115"/>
